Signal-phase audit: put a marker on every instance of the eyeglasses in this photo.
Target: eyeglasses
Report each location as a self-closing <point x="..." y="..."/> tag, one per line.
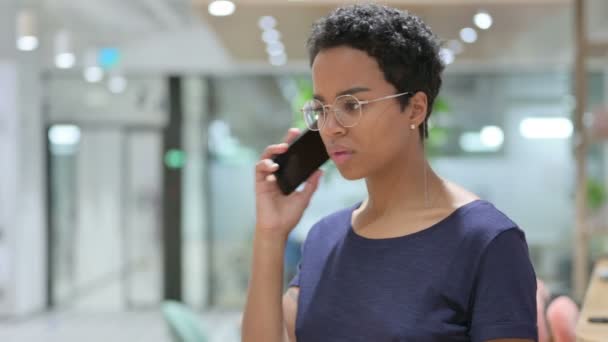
<point x="346" y="108"/>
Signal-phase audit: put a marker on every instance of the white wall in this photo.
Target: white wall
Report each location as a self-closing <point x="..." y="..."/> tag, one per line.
<point x="22" y="191"/>
<point x="31" y="213"/>
<point x="8" y="181"/>
<point x="118" y="191"/>
<point x="194" y="187"/>
<point x="531" y="182"/>
<point x="71" y="99"/>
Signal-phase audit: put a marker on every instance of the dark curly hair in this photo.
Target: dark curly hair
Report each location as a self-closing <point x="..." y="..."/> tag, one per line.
<point x="403" y="45"/>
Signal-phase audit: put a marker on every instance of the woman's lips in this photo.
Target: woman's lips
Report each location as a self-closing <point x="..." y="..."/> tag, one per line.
<point x="341" y="157"/>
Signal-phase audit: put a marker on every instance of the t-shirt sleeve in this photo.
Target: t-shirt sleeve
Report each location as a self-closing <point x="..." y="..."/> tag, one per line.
<point x="296" y="279"/>
<point x="504" y="297"/>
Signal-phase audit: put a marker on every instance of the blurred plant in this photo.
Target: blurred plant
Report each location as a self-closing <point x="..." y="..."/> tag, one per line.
<point x="438" y="133"/>
<point x="305" y="93"/>
<point x="596" y="194"/>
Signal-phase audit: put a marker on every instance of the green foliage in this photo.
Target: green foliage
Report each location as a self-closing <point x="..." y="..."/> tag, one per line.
<point x="596" y="194"/>
<point x="438" y="135"/>
<point x="305" y="93"/>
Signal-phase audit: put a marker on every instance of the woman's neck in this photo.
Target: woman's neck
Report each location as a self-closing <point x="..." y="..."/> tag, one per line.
<point x="406" y="185"/>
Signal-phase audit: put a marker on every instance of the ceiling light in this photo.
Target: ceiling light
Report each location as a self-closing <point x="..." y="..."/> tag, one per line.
<point x="65" y="60"/>
<point x="468" y="35"/>
<point x="492" y="136"/>
<point x="27" y="43"/>
<point x="546" y="128"/>
<point x="64" y="56"/>
<point x="275" y="49"/>
<point x="64" y="135"/>
<point x="483" y="20"/>
<point x="455" y="46"/>
<point x="117" y="84"/>
<point x="278" y="60"/>
<point x="271" y="36"/>
<point x="93" y="74"/>
<point x="447" y="56"/>
<point x="26" y="31"/>
<point x="221" y="8"/>
<point x="473" y="142"/>
<point x="267" y="22"/>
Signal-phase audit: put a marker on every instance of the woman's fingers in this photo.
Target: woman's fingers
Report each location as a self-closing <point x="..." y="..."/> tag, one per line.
<point x="264" y="168"/>
<point x="291" y="135"/>
<point x="272" y="150"/>
<point x="275" y="149"/>
<point x="311" y="186"/>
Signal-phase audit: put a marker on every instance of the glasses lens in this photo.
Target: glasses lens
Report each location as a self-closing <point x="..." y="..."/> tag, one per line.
<point x="348" y="110"/>
<point x="313" y="114"/>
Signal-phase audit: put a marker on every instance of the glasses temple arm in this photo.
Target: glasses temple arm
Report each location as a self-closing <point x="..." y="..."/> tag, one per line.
<point x="385" y="98"/>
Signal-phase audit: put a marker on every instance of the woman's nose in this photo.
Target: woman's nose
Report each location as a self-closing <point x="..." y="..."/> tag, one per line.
<point x="332" y="126"/>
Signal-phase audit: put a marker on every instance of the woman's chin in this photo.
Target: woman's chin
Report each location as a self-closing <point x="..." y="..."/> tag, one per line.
<point x="350" y="173"/>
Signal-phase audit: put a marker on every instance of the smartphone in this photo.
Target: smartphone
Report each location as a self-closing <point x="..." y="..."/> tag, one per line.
<point x="303" y="157"/>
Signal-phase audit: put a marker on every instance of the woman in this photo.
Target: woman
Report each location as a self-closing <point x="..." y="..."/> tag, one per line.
<point x="421" y="258"/>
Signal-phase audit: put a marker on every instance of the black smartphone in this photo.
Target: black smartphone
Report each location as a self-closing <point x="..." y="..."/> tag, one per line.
<point x="303" y="157"/>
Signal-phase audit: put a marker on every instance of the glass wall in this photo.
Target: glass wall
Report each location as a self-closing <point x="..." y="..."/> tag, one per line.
<point x="104" y="159"/>
<point x="480" y="138"/>
<point x="106" y="185"/>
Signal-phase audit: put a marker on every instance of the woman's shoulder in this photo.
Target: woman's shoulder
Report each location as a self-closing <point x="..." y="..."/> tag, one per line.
<point x="482" y="222"/>
<point x="334" y="224"/>
<point x="479" y="218"/>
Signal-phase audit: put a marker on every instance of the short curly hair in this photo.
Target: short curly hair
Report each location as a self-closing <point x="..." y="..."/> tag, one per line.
<point x="405" y="48"/>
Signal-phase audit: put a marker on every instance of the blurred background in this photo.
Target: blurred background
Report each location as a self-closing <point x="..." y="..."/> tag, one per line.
<point x="129" y="131"/>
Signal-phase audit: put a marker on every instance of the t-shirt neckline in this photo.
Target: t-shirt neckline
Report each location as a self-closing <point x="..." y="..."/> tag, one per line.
<point x="458" y="212"/>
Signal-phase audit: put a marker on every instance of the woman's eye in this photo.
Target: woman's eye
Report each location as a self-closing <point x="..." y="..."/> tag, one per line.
<point x="351" y="106"/>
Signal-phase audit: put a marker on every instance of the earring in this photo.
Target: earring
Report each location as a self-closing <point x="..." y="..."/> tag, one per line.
<point x="412" y="127"/>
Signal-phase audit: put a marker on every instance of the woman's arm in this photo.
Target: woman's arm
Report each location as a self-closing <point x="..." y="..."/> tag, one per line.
<point x="263" y="316"/>
<point x="276" y="216"/>
<point x="290" y="310"/>
<point x="504" y="299"/>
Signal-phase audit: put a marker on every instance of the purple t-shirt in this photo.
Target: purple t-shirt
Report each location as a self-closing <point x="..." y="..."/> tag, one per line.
<point x="466" y="278"/>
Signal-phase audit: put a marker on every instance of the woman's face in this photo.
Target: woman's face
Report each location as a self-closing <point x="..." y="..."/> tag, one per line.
<point x="383" y="133"/>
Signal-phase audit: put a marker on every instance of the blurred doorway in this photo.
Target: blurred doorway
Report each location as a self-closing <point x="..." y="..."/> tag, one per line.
<point x="105" y="216"/>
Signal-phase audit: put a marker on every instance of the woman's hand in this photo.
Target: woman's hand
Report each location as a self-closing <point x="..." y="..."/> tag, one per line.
<point x="277" y="214"/>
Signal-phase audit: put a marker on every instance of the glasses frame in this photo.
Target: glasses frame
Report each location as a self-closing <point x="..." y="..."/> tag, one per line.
<point x="327" y="108"/>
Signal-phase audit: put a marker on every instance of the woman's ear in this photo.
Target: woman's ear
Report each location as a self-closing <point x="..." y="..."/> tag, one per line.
<point x="419" y="105"/>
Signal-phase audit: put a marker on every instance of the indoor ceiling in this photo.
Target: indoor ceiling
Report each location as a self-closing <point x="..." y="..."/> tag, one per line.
<point x="524" y="32"/>
<point x="181" y="36"/>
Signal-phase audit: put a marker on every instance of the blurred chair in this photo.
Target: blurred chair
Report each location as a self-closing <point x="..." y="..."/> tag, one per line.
<point x="595" y="304"/>
<point x="184" y="323"/>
